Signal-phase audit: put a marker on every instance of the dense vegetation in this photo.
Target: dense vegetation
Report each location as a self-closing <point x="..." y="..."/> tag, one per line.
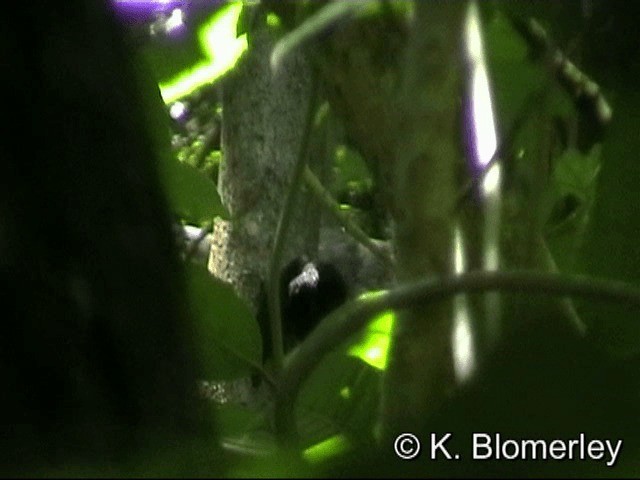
<point x="271" y="243"/>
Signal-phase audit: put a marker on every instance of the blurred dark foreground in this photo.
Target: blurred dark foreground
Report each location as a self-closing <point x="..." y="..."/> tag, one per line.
<point x="97" y="371"/>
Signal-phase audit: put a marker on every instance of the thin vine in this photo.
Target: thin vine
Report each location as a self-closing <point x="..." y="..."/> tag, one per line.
<point x="333" y="207"/>
<point x="282" y="229"/>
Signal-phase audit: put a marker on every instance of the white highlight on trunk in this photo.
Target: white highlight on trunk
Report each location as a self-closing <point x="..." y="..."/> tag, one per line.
<point x="481" y="117"/>
<point x="462" y="336"/>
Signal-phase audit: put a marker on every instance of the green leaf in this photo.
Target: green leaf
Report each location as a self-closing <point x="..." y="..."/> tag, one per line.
<point x="574" y="174"/>
<point x="611" y="241"/>
<point x="350" y="168"/>
<point x="373" y="348"/>
<point x="227" y="334"/>
<point x="191" y="194"/>
<point x="236" y="419"/>
<point x="518" y="80"/>
<point x="515" y="78"/>
<point x="568" y="203"/>
<point x="340" y="397"/>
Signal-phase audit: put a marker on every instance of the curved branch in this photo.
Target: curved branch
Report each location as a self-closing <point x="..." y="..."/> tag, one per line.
<point x="333" y="207"/>
<point x="313" y="26"/>
<point x="354" y="315"/>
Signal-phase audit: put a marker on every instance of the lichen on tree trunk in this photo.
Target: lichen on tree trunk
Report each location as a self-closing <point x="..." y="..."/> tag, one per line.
<point x="263" y="118"/>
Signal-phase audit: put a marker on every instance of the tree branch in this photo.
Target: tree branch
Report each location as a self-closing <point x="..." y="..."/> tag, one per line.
<point x="354" y="315"/>
<point x="333" y="207"/>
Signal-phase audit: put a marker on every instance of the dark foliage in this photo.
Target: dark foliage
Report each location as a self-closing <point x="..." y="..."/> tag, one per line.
<point x="95" y="347"/>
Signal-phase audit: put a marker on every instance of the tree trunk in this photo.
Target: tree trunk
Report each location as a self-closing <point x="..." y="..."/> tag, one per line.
<point x="263" y="118"/>
<point x="424" y="175"/>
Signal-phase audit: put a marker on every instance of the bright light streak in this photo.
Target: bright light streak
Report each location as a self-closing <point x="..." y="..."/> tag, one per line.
<point x="219" y="43"/>
<point x="464" y="359"/>
<point x="373" y="348"/>
<point x="483" y="128"/>
<point x="491" y="257"/>
<point x="491" y="180"/>
<point x="482" y="112"/>
<point x="331" y="447"/>
<point x="462" y="336"/>
<point x="482" y="115"/>
<point x="458" y="252"/>
<point x="482" y="145"/>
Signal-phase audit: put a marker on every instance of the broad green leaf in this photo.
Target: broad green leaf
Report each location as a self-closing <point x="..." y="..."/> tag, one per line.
<point x="373" y="348"/>
<point x="191" y="194"/>
<point x="611" y="242"/>
<point x="568" y="203"/>
<point x="515" y="78"/>
<point x="227" y="335"/>
<point x="234" y="420"/>
<point x="574" y="174"/>
<point x="340" y="397"/>
<point x="351" y="170"/>
<point x="519" y="81"/>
